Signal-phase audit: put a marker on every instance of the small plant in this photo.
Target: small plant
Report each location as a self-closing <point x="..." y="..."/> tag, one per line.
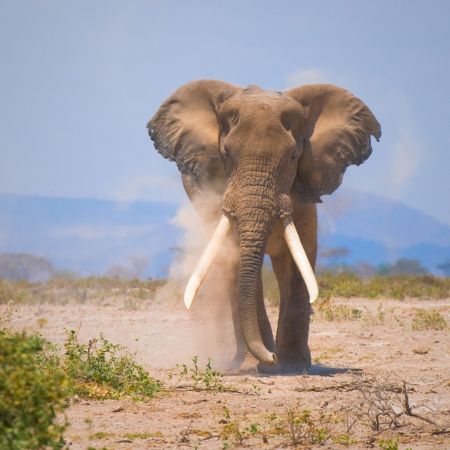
<point x="231" y="430"/>
<point x="203" y="379"/>
<point x="343" y="439"/>
<point x="379" y="403"/>
<point x="254" y="429"/>
<point x="41" y="322"/>
<point x="381" y="315"/>
<point x="33" y="389"/>
<point x="6" y="316"/>
<point x="101" y="369"/>
<point x="388" y="444"/>
<point x="385" y="403"/>
<point x="329" y="354"/>
<point x="255" y="389"/>
<point x="428" y="320"/>
<point x="339" y="313"/>
<point x="304" y="430"/>
<point x="142" y="435"/>
<point x="131" y="304"/>
<point x="100" y="435"/>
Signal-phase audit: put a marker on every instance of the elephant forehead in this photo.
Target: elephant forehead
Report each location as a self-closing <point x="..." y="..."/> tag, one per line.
<point x="261" y="103"/>
<point x="269" y="100"/>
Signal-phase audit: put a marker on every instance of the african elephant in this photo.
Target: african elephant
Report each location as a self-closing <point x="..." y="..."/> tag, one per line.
<point x="270" y="156"/>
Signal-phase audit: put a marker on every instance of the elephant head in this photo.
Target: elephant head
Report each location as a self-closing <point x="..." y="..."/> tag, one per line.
<point x="261" y="149"/>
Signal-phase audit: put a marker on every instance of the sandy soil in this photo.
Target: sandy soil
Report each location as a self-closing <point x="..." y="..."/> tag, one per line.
<point x="357" y="363"/>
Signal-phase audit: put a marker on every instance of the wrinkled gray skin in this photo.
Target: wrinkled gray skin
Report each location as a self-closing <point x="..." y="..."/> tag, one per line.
<point x="269" y="155"/>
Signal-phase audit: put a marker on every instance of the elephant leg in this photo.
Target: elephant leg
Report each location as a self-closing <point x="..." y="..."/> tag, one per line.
<point x="294" y="317"/>
<point x="293" y="320"/>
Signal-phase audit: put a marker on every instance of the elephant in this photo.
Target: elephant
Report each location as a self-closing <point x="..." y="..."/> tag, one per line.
<point x="268" y="156"/>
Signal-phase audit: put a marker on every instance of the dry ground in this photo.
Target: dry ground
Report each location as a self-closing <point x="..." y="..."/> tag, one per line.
<point x="361" y="360"/>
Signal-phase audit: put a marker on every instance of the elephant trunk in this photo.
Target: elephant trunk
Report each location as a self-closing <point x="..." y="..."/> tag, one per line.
<point x="256" y="214"/>
<point x="252" y="255"/>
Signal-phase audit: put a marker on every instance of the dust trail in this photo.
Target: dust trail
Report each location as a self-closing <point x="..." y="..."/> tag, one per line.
<point x="207" y="329"/>
<point x="407" y="155"/>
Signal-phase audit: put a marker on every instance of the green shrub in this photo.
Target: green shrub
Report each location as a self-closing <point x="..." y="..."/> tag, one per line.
<point x="428" y="320"/>
<point x="33" y="389"/>
<point x="101" y="369"/>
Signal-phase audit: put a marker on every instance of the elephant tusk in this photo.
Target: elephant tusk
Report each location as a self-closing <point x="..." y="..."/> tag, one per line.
<point x="300" y="258"/>
<point x="204" y="264"/>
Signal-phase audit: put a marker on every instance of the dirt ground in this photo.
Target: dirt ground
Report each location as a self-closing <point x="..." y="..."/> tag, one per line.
<point x="364" y="363"/>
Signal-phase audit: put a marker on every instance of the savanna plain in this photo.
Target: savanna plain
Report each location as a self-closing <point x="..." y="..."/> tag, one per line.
<point x="132" y="369"/>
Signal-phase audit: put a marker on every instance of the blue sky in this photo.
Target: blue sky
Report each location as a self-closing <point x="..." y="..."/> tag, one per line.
<point x="80" y="79"/>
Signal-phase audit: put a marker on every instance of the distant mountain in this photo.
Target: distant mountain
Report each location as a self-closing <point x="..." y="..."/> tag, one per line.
<point x="94" y="236"/>
<point x="372" y="218"/>
<point x="89" y="236"/>
<point x="378" y="230"/>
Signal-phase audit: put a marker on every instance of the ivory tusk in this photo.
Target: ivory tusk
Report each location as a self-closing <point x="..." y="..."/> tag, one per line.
<point x="204" y="264"/>
<point x="300" y="258"/>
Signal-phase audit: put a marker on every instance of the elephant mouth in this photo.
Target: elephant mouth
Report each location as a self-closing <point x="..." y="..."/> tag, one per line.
<point x="216" y="241"/>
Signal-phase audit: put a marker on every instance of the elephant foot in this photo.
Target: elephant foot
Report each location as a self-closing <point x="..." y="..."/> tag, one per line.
<point x="283" y="368"/>
<point x="242" y="364"/>
<point x="237" y="361"/>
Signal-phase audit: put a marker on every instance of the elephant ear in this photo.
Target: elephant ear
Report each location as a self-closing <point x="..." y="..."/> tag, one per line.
<point x="338" y="129"/>
<point x="185" y="129"/>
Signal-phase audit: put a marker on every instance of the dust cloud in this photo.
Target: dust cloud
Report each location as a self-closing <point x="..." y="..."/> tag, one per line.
<point x="206" y="330"/>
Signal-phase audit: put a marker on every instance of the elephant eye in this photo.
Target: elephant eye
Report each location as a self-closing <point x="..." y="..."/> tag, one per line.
<point x="225" y="128"/>
<point x="226" y="152"/>
<point x="295" y="153"/>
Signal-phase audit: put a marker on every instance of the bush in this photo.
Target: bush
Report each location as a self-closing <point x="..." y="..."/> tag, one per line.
<point x="402" y="266"/>
<point x="101" y="369"/>
<point x="398" y="287"/>
<point x="350" y="285"/>
<point x="34" y="384"/>
<point x="20" y="266"/>
<point x="61" y="289"/>
<point x="339" y="313"/>
<point x="16" y="292"/>
<point x="428" y="320"/>
<point x="33" y="389"/>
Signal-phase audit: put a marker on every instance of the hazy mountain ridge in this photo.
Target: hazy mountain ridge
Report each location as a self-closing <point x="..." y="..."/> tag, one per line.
<point x="86" y="235"/>
<point x="91" y="236"/>
<point x="372" y="218"/>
